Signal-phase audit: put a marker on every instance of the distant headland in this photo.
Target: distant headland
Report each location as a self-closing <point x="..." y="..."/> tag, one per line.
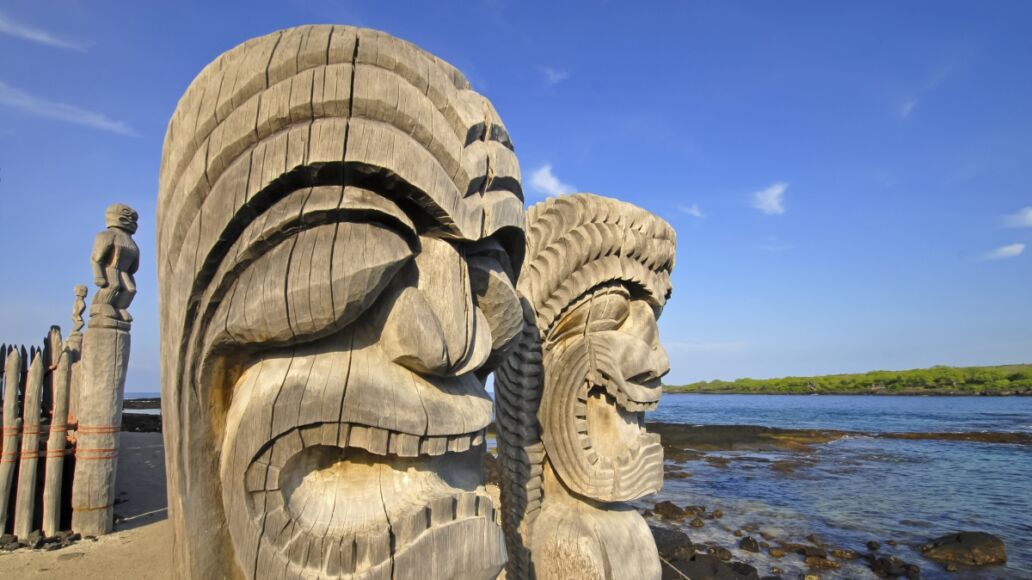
<point x="1004" y="380"/>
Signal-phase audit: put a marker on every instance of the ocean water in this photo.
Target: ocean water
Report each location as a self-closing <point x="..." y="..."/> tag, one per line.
<point x="861" y="488"/>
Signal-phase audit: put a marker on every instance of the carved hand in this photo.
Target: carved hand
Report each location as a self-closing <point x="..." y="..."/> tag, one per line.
<point x="101" y="282"/>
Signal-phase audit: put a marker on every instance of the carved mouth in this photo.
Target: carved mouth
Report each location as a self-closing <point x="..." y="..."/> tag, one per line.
<point x="612" y="425"/>
<point x="335" y="497"/>
<point x="341" y="499"/>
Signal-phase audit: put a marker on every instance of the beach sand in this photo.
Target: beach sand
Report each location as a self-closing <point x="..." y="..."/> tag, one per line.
<point x="139" y="547"/>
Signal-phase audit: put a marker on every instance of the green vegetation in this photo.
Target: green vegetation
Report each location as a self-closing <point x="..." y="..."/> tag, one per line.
<point x="939" y="380"/>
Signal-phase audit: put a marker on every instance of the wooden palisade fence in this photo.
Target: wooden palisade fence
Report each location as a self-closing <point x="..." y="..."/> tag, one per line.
<point x="37" y="384"/>
<point x="62" y="403"/>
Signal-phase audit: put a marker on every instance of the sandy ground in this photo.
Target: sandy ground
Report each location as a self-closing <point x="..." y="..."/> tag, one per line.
<point x="140" y="546"/>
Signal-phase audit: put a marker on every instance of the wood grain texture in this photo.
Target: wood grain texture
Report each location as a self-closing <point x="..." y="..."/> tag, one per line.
<point x="25" y="502"/>
<point x="55" y="455"/>
<point x="570" y="396"/>
<point x="100" y="382"/>
<point x="323" y="199"/>
<point x="11" y="431"/>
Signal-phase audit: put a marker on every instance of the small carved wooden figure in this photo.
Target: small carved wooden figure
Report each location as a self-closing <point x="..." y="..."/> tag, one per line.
<point x="115" y="259"/>
<point x="78" y="307"/>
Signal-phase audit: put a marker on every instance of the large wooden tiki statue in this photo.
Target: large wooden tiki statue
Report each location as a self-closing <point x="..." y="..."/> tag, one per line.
<point x="571" y="398"/>
<point x="339" y="225"/>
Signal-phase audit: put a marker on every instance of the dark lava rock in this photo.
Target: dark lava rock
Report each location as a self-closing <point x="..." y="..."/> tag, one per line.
<point x="7" y="539"/>
<point x="815" y="540"/>
<point x="717" y="461"/>
<point x="808" y="551"/>
<point x="140" y="423"/>
<point x="35" y="540"/>
<point x="669" y="510"/>
<point x="893" y="567"/>
<point x="718" y="514"/>
<point x="872" y="545"/>
<point x="720" y="552"/>
<point x="708" y="567"/>
<point x="672" y="544"/>
<point x="843" y="554"/>
<point x="696" y="523"/>
<point x="776" y="553"/>
<point x="967" y="548"/>
<point x="739" y="533"/>
<point x="821" y="563"/>
<point x="748" y="543"/>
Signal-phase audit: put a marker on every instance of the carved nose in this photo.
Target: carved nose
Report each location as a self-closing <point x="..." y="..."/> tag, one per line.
<point x="434" y="326"/>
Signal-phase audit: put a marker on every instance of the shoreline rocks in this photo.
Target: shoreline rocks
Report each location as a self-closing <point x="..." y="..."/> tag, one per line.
<point x="967" y="549"/>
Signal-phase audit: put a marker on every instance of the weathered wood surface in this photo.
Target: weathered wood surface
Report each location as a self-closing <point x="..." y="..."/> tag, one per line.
<point x="25" y="503"/>
<point x="74" y="347"/>
<point x="56" y="446"/>
<point x="104" y="361"/>
<point x="339" y="225"/>
<point x="571" y="396"/>
<point x="11" y="430"/>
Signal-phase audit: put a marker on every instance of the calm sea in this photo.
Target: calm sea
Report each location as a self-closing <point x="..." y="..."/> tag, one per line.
<point x="861" y="488"/>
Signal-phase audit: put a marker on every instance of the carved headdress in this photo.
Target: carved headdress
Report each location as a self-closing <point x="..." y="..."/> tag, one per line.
<point x="340" y="222"/>
<point x="571" y="396"/>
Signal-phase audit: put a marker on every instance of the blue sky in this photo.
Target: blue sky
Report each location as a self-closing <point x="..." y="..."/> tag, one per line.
<point x="851" y="184"/>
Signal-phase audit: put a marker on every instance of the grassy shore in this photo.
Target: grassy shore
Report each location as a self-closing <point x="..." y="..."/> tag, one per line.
<point x="939" y="380"/>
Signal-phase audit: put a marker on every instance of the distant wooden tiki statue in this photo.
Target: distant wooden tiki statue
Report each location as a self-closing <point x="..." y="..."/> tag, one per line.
<point x="339" y="226"/>
<point x="571" y="398"/>
<point x="100" y="383"/>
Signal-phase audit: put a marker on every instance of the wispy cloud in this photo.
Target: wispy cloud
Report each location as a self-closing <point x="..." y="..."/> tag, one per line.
<point x="707" y="347"/>
<point x="1004" y="252"/>
<point x="692" y="210"/>
<point x="775" y="244"/>
<point x="936" y="78"/>
<point x="906" y="108"/>
<point x="32" y="105"/>
<point x="545" y="182"/>
<point x="554" y="76"/>
<point x="771" y="200"/>
<point x="1019" y="219"/>
<point x="38" y="35"/>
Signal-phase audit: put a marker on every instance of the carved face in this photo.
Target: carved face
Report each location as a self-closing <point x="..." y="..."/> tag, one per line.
<point x="122" y="217"/>
<point x="338" y="237"/>
<point x="377" y="429"/>
<point x="602" y="372"/>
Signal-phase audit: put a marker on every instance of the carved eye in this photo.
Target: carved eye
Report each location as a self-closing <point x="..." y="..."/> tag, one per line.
<point x="603" y="309"/>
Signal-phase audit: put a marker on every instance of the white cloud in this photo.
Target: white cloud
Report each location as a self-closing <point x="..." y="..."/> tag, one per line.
<point x="692" y="210"/>
<point x="908" y="107"/>
<point x="1004" y="252"/>
<point x="554" y="76"/>
<point x="690" y="347"/>
<point x="37" y="35"/>
<point x="1019" y="219"/>
<point x="545" y="182"/>
<point x="22" y="101"/>
<point x="771" y="200"/>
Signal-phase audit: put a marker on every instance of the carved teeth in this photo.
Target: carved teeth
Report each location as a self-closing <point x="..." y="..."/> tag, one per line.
<point x="442" y="510"/>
